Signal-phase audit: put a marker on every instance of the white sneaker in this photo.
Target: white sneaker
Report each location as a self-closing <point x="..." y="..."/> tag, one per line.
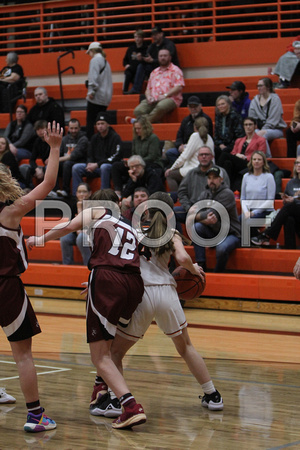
<point x="6" y="398"/>
<point x="62" y="193"/>
<point x="52" y="194"/>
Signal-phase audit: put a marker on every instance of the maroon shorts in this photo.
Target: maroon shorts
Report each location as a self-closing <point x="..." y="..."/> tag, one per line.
<point x="17" y="317"/>
<point x="112" y="298"/>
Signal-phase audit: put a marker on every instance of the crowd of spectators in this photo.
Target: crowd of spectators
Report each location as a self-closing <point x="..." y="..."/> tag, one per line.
<point x="204" y="162"/>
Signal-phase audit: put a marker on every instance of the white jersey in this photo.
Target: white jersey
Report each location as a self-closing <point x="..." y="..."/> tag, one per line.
<point x="155" y="271"/>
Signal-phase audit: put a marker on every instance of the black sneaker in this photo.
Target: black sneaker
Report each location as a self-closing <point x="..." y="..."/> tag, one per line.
<point x="106" y="407"/>
<point x="261" y="239"/>
<point x="213" y="402"/>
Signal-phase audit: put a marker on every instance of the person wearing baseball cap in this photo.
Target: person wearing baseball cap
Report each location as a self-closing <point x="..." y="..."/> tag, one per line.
<point x="105" y="148"/>
<point x="239" y="98"/>
<point x="213" y="223"/>
<point x="186" y="129"/>
<point x="99" y="85"/>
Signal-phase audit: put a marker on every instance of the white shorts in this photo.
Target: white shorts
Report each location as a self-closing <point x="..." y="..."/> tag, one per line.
<point x="160" y="303"/>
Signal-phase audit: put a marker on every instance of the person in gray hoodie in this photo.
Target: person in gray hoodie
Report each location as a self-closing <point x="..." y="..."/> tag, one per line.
<point x="99" y="85"/>
<point x="266" y="108"/>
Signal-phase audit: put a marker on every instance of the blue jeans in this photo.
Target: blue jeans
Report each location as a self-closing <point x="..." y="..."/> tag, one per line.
<point x="223" y="249"/>
<point x="23" y="153"/>
<point x="172" y="154"/>
<point x="66" y="245"/>
<point x="78" y="171"/>
<point x="180" y="215"/>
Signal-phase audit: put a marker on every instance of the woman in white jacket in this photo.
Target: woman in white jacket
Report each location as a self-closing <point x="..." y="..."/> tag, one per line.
<point x="189" y="157"/>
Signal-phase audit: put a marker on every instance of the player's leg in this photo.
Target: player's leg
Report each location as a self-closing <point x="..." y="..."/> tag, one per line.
<point x="119" y="348"/>
<point x="133" y="413"/>
<point x="211" y="399"/>
<point x="36" y="419"/>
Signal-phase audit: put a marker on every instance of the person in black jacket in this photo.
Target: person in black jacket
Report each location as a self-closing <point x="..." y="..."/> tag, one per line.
<point x="187" y="129"/>
<point x="150" y="61"/>
<point x="133" y="56"/>
<point x="104" y="149"/>
<point x="46" y="108"/>
<point x="140" y="176"/>
<point x="11" y="77"/>
<point x="73" y="150"/>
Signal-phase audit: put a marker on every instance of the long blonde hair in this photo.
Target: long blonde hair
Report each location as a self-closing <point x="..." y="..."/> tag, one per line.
<point x="9" y="187"/>
<point x="201" y="126"/>
<point x="158" y="223"/>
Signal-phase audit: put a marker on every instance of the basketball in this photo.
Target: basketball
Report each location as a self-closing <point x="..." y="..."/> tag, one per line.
<point x="189" y="286"/>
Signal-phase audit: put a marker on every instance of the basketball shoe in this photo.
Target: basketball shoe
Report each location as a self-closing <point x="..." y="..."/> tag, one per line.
<point x="6" y="398"/>
<point x="130" y="417"/>
<point x="39" y="422"/>
<point x="98" y="391"/>
<point x="106" y="406"/>
<point x="213" y="402"/>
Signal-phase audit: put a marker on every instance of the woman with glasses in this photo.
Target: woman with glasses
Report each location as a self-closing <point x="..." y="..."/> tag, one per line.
<point x="236" y="162"/>
<point x="20" y="134"/>
<point x="288" y="216"/>
<point x="266" y="108"/>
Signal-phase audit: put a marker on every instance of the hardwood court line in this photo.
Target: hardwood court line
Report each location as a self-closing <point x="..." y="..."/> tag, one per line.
<point x="242" y="329"/>
<point x="55" y="370"/>
<point x="291" y="444"/>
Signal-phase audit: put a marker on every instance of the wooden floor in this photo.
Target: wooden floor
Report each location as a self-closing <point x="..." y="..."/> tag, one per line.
<point x="254" y="360"/>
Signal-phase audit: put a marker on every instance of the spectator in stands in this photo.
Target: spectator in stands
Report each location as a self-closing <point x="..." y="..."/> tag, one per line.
<point x="145" y="144"/>
<point x="257" y="184"/>
<point x="140" y="195"/>
<point x="293" y="133"/>
<point x="236" y="162"/>
<point x="99" y="85"/>
<point x="133" y="57"/>
<point x="288" y="216"/>
<point x="208" y="221"/>
<point x="266" y="108"/>
<point x="192" y="186"/>
<point x="239" y="98"/>
<point x="7" y="158"/>
<point x="140" y="175"/>
<point x="163" y="93"/>
<point x="41" y="151"/>
<point x="68" y="241"/>
<point x="287" y="65"/>
<point x="103" y="151"/>
<point x="20" y="134"/>
<point x="228" y="126"/>
<point x="46" y="108"/>
<point x="151" y="60"/>
<point x="187" y="128"/>
<point x="10" y="77"/>
<point x="73" y="150"/>
<point x="189" y="157"/>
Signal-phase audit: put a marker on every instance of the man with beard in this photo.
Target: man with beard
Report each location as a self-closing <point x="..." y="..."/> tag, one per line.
<point x="194" y="184"/>
<point x="211" y="221"/>
<point x="163" y="93"/>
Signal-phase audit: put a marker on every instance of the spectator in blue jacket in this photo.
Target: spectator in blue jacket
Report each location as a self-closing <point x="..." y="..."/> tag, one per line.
<point x="239" y="98"/>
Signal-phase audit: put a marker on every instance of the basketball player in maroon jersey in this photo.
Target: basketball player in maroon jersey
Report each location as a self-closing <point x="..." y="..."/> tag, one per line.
<point x="115" y="289"/>
<point x="17" y="317"/>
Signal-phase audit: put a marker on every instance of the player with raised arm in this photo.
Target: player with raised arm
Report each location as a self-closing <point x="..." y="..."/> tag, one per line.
<point x="17" y="317"/>
<point x="161" y="302"/>
<point x="115" y="288"/>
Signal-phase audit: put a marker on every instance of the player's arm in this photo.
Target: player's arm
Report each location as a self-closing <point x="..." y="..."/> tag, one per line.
<point x="79" y="222"/>
<point x="184" y="259"/>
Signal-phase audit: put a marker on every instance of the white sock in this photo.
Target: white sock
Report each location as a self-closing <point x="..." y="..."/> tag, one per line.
<point x="208" y="387"/>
